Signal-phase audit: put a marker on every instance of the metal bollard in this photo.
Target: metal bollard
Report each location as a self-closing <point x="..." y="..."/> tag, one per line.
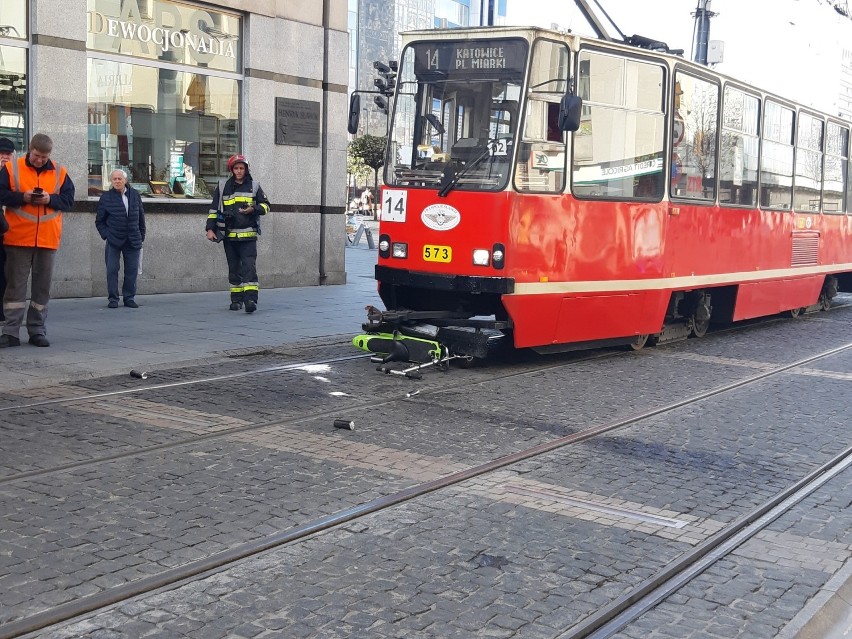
<point x="364" y="230"/>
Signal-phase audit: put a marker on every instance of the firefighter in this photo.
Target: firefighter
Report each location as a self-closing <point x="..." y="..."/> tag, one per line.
<point x="238" y="203"/>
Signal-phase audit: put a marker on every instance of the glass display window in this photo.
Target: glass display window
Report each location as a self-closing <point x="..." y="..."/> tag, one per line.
<point x="160" y="125"/>
<point x="13" y="95"/>
<point x="13" y="19"/>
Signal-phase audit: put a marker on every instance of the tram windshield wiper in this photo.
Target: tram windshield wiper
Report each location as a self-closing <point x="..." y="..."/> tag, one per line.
<point x="450" y="177"/>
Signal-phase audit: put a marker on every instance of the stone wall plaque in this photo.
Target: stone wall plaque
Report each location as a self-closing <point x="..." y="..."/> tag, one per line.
<point x="297" y="122"/>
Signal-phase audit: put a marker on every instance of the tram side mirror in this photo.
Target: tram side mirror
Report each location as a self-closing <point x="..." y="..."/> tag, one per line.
<point x="570" y="110"/>
<point x="354" y="113"/>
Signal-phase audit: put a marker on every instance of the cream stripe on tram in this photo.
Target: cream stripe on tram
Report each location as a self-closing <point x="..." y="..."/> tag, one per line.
<point x="685" y="282"/>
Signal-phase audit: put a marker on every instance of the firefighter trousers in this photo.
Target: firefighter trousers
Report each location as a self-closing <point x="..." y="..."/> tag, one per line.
<point x="242" y="269"/>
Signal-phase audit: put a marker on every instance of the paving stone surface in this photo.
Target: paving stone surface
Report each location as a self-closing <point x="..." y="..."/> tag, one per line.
<point x="525" y="551"/>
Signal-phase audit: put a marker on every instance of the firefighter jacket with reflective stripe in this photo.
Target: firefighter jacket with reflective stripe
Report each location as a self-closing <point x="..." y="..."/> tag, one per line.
<point x="225" y="218"/>
<point x="34" y="225"/>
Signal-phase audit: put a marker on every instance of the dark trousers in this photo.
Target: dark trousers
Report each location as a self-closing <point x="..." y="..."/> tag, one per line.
<point x="112" y="257"/>
<point x="21" y="262"/>
<point x="2" y="276"/>
<point x="242" y="269"/>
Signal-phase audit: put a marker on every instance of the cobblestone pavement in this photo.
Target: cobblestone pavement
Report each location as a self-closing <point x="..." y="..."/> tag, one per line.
<point x="523" y="552"/>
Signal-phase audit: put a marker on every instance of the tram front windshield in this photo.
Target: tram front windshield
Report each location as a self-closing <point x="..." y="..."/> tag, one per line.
<point x="456" y="114"/>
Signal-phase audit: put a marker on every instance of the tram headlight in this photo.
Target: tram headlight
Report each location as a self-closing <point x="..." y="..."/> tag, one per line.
<point x="400" y="249"/>
<point x="481" y="257"/>
<point x="384" y="245"/>
<point x="498" y="254"/>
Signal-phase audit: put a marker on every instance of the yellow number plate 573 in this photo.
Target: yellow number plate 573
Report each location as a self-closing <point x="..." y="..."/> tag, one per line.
<point x="433" y="253"/>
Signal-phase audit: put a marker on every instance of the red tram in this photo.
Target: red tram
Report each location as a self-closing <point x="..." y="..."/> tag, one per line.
<point x="563" y="192"/>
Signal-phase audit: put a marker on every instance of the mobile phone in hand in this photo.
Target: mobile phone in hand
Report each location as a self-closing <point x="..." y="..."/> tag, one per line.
<point x="38" y="190"/>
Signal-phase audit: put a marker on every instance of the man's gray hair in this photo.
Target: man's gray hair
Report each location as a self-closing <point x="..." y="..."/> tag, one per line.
<point x="122" y="171"/>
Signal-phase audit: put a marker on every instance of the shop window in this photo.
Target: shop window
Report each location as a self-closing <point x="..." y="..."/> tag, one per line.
<point x="171" y="131"/>
<point x="13" y="20"/>
<point x="13" y="95"/>
<point x="165" y="31"/>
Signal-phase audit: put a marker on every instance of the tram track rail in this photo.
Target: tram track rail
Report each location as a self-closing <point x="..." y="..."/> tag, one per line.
<point x="631" y="606"/>
<point x="353" y="407"/>
<point x="298" y="365"/>
<point x="199" y="569"/>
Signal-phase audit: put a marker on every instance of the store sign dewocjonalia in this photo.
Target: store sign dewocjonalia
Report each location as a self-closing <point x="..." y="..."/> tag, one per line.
<point x="169" y="27"/>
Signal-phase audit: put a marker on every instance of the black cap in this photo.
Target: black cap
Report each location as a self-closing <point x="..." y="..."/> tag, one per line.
<point x="6" y="145"/>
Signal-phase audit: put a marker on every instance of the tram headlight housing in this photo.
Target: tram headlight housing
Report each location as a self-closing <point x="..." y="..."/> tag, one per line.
<point x="481" y="257"/>
<point x="384" y="245"/>
<point x="498" y="255"/>
<point x="400" y="249"/>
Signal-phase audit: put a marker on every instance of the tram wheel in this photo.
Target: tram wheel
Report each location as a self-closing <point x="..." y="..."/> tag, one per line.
<point x="639" y="343"/>
<point x="794" y="312"/>
<point x="699" y="328"/>
<point x="824" y="302"/>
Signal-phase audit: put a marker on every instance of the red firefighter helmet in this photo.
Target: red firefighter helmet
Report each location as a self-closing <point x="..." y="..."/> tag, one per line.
<point x="234" y="159"/>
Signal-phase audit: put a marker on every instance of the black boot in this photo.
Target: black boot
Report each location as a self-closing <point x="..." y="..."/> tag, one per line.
<point x="251" y="306"/>
<point x="235" y="306"/>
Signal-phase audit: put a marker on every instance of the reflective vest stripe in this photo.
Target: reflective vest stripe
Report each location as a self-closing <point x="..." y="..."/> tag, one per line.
<point x="241" y="234"/>
<point x="35" y="218"/>
<point x="16" y="185"/>
<point x="233" y="200"/>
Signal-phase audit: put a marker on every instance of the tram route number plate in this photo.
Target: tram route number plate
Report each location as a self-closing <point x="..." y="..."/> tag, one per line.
<point x="434" y="253"/>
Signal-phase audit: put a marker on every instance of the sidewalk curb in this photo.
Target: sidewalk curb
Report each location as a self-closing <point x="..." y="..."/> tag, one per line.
<point x="828" y="615"/>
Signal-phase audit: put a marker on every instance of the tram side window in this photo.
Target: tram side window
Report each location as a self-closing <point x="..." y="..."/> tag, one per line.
<point x="808" y="183"/>
<point x="696" y="108"/>
<point x="835" y="178"/>
<point x="739" y="151"/>
<point x="542" y="149"/>
<point x="776" y="170"/>
<point x="618" y="150"/>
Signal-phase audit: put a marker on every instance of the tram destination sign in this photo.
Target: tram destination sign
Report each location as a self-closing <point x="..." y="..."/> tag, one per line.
<point x="470" y="58"/>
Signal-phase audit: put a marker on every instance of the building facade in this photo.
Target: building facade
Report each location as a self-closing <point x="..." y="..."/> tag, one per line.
<point x="167" y="91"/>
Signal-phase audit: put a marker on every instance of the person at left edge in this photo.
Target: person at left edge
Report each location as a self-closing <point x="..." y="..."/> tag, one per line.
<point x="35" y="191"/>
<point x="120" y="221"/>
<point x="7" y="154"/>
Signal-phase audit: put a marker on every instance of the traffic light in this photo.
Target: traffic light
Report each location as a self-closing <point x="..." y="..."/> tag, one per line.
<point x="386" y="83"/>
<point x="381" y="103"/>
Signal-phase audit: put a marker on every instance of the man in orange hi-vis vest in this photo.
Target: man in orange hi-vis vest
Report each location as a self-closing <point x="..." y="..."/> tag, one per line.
<point x="34" y="191"/>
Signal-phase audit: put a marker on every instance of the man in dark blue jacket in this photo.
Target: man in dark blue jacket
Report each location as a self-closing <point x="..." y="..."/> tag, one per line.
<point x="121" y="222"/>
